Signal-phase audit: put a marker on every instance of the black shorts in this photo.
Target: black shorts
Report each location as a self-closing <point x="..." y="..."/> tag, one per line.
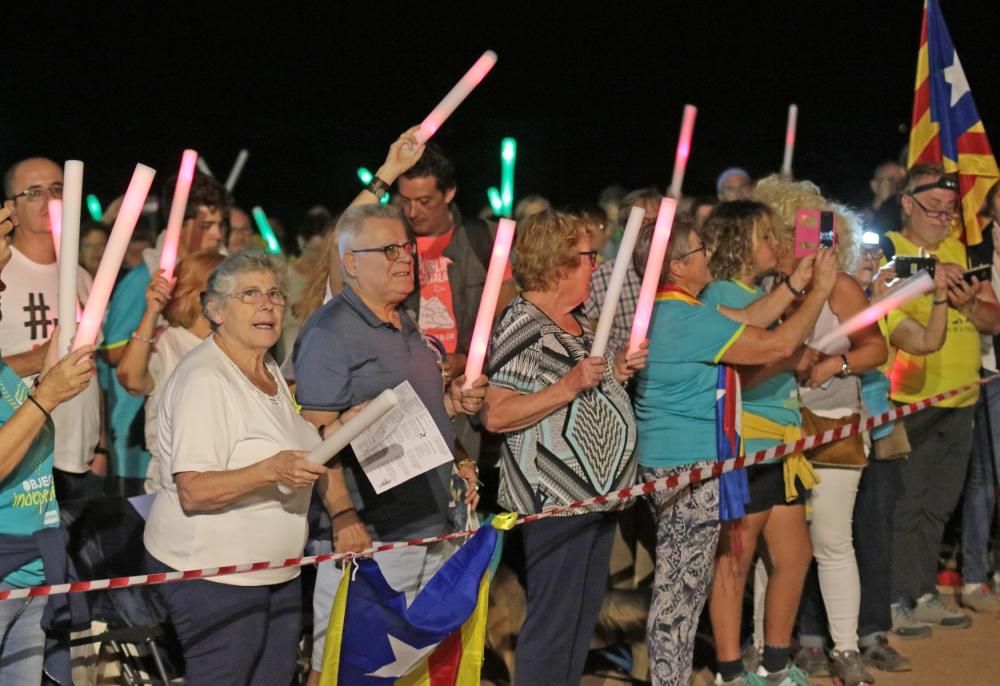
<point x="767" y="488"/>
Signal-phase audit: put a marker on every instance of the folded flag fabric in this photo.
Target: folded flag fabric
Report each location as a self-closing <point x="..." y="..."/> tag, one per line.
<point x="734" y="489"/>
<point x="375" y="638"/>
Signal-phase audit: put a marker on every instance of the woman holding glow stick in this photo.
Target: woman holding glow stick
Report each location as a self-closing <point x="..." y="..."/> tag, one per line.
<point x="831" y="390"/>
<point x="229" y="433"/>
<point x="27" y="495"/>
<point x="568" y="433"/>
<point x="678" y="424"/>
<point x="151" y="356"/>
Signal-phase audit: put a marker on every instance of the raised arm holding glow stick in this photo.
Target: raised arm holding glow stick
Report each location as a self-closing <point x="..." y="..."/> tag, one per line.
<point x="172" y="237"/>
<point x="622" y="262"/>
<point x="793" y="118"/>
<point x="683" y="150"/>
<point x="488" y="303"/>
<point x="465" y="85"/>
<point x="351" y="429"/>
<point x="264" y="226"/>
<point x="114" y="253"/>
<point x="913" y="287"/>
<point x="234" y="173"/>
<point x="68" y="251"/>
<point x="651" y="277"/>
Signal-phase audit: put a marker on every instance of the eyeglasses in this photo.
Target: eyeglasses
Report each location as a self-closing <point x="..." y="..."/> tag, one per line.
<point x="36" y="193"/>
<point x="940" y="215"/>
<point x="701" y="248"/>
<point x="391" y="251"/>
<point x="592" y="254"/>
<point x="255" y="296"/>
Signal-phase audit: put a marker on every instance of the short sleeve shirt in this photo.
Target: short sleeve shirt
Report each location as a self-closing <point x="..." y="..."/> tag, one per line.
<point x="581" y="450"/>
<point x="777" y="398"/>
<point x="675" y="393"/>
<point x="213" y="419"/>
<point x="346" y="355"/>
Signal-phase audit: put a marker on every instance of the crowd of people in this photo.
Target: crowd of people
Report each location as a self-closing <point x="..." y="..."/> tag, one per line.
<point x="207" y="390"/>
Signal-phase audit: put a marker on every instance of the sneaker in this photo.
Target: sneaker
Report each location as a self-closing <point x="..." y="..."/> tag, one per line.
<point x="847" y="668"/>
<point x="884" y="657"/>
<point x="812" y="661"/>
<point x="931" y="610"/>
<point x="905" y="625"/>
<point x="789" y="676"/>
<point x="738" y="681"/>
<point x="980" y="599"/>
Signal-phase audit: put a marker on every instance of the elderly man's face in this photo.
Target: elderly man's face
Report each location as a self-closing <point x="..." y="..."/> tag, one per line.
<point x="388" y="280"/>
<point x="425" y="206"/>
<point x="736" y="187"/>
<point x="31" y="214"/>
<point x="928" y="214"/>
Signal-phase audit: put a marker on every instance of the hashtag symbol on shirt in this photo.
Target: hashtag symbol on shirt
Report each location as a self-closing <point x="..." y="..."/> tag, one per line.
<point x="41" y="321"/>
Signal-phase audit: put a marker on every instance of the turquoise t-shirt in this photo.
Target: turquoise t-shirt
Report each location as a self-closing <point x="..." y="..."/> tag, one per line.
<point x="777" y="398"/>
<point x="675" y="393"/>
<point x="124" y="313"/>
<point x="28" y="494"/>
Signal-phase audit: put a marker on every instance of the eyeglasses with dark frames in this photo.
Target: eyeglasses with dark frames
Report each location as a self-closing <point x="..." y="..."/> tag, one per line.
<point x="941" y="215"/>
<point x="592" y="254"/>
<point x="255" y="296"/>
<point x="701" y="248"/>
<point x="391" y="251"/>
<point x="36" y="193"/>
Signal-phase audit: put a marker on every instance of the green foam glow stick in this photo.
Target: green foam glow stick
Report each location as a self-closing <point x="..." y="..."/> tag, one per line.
<point x="508" y="154"/>
<point x="94" y="207"/>
<point x="266" y="231"/>
<point x="496" y="202"/>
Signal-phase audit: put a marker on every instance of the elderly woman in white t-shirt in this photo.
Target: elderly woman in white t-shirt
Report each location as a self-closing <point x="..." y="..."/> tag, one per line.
<point x="152" y="353"/>
<point x="229" y="433"/>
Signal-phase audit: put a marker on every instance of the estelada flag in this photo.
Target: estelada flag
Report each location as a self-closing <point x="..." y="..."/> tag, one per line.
<point x="375" y="638"/>
<point x="946" y="126"/>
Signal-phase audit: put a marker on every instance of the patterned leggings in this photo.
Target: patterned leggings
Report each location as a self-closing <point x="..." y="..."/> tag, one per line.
<point x="687" y="532"/>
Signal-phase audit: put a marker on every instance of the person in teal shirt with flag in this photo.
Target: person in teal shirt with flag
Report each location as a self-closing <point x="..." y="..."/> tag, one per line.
<point x="27" y="493"/>
<point x="675" y="409"/>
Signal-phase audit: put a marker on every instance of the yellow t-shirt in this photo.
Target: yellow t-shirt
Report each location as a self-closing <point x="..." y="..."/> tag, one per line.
<point x="915" y="377"/>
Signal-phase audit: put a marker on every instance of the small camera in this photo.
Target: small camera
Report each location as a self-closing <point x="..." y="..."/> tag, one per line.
<point x="908" y="266"/>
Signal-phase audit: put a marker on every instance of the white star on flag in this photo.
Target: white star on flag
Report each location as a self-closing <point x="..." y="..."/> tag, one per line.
<point x="956" y="77"/>
<point x="406" y="658"/>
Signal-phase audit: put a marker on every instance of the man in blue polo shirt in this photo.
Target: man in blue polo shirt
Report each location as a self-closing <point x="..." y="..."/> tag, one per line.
<point x="205" y="216"/>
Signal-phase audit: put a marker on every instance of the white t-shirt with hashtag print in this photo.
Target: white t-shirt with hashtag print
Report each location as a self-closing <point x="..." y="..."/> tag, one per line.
<point x="30" y="310"/>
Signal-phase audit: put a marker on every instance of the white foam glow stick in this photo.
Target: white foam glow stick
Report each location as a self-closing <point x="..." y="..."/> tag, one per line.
<point x="914" y="287"/>
<point x="55" y="223"/>
<point x="651" y="277"/>
<point x="622" y="262"/>
<point x="465" y="85"/>
<point x="203" y="167"/>
<point x="234" y="173"/>
<point x="488" y="303"/>
<point x="683" y="150"/>
<point x="351" y="429"/>
<point x="68" y="252"/>
<point x="114" y="253"/>
<point x="793" y="118"/>
<point x="172" y="236"/>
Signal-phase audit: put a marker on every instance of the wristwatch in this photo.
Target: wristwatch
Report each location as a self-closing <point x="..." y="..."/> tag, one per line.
<point x="377" y="187"/>
<point x="845" y="367"/>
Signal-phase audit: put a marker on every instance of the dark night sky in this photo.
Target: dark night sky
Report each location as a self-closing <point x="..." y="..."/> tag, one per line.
<point x="593" y="97"/>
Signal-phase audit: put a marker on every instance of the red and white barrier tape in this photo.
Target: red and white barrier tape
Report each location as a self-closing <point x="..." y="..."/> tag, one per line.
<point x="683" y="479"/>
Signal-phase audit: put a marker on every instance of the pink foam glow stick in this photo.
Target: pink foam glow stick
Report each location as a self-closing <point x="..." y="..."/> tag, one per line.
<point x="793" y="118"/>
<point x="465" y="85"/>
<point x="488" y="303"/>
<point x="168" y="256"/>
<point x="55" y="223"/>
<point x="903" y="293"/>
<point x="683" y="150"/>
<point x="622" y="262"/>
<point x="651" y="277"/>
<point x="114" y="253"/>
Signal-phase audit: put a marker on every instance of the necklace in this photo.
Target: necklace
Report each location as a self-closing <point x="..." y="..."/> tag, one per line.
<point x="273" y="399"/>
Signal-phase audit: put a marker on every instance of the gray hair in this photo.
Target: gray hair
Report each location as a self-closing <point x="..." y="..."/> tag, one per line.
<point x="351" y="224"/>
<point x="222" y="280"/>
